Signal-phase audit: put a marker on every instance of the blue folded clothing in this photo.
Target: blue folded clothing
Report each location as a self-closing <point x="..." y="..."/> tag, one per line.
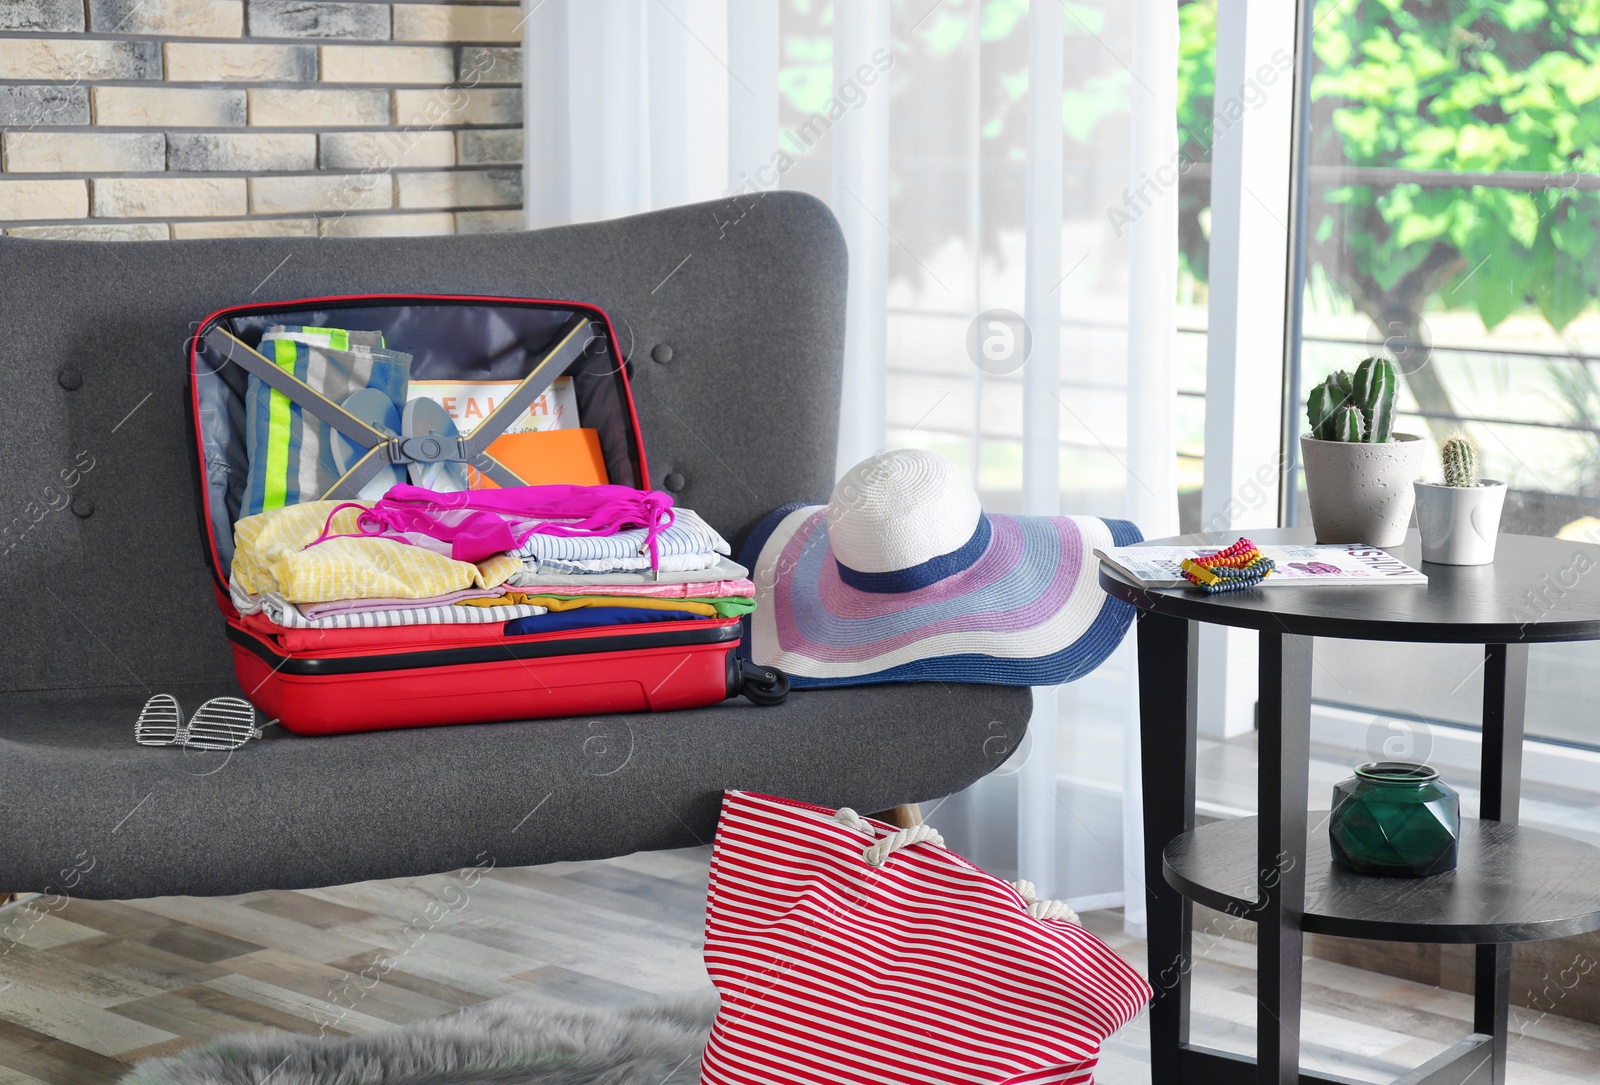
<point x="588" y="617"/>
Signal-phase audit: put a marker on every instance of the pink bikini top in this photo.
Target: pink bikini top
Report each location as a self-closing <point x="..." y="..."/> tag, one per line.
<point x="481" y="523"/>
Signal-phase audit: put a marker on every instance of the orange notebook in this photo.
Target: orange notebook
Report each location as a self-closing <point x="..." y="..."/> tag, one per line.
<point x="553" y="456"/>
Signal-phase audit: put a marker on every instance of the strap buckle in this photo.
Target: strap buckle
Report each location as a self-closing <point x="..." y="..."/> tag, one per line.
<point x="429" y="448"/>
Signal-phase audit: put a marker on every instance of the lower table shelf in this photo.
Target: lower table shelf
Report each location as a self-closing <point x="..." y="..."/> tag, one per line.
<point x="1512" y="884"/>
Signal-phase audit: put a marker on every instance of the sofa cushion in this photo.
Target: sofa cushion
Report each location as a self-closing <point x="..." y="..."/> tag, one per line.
<point x="282" y="812"/>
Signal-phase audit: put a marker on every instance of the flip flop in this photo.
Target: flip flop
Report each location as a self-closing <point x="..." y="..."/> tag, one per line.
<point x="378" y="411"/>
<point x="424" y="417"/>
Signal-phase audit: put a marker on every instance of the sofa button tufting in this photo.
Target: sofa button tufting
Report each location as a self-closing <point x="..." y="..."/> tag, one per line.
<point x="662" y="353"/>
<point x="675" y="482"/>
<point x="70" y="378"/>
<point x="82" y="507"/>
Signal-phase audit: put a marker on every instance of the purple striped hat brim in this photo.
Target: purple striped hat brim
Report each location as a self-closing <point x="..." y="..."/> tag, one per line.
<point x="1031" y="595"/>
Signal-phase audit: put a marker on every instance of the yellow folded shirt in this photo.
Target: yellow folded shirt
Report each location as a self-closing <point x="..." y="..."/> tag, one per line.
<point x="270" y="555"/>
<point x="553" y="602"/>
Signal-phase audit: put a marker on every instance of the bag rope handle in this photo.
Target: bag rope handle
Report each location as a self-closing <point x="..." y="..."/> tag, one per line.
<point x="878" y="853"/>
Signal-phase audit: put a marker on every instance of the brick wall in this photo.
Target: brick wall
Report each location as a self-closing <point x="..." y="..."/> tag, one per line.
<point x="210" y="118"/>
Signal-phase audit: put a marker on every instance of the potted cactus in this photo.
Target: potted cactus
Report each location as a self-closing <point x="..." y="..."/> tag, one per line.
<point x="1358" y="470"/>
<point x="1460" y="519"/>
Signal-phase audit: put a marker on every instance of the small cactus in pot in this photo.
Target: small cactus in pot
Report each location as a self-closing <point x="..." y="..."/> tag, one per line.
<point x="1357" y="467"/>
<point x="1459" y="519"/>
<point x="1460" y="459"/>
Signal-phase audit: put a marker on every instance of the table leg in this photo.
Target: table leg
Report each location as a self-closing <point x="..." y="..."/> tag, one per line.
<point x="1505" y="690"/>
<point x="1284" y="767"/>
<point x="1168" y="660"/>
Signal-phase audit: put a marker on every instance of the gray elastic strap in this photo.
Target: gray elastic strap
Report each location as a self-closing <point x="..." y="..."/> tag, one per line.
<point x="499" y="472"/>
<point x="363" y="471"/>
<point x="570" y="342"/>
<point x="232" y="349"/>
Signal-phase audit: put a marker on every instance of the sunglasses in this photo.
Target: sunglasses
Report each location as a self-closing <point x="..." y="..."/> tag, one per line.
<point x="222" y="723"/>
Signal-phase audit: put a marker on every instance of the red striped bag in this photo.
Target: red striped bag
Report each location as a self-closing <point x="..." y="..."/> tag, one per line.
<point x="849" y="953"/>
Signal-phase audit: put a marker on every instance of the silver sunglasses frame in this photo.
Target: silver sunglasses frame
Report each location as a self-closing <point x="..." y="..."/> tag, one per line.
<point x="222" y="723"/>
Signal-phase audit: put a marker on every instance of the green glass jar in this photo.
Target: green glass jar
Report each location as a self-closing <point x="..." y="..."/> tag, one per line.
<point x="1397" y="819"/>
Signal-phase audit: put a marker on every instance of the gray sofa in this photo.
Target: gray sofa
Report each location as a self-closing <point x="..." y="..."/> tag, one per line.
<point x="733" y="336"/>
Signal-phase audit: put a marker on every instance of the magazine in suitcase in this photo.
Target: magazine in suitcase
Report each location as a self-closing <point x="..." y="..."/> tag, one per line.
<point x="540" y="395"/>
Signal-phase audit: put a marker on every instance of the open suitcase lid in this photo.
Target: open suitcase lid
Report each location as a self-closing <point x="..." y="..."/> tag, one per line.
<point x="450" y="338"/>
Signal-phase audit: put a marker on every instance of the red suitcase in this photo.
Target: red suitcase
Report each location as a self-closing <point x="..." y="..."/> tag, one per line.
<point x="334" y="681"/>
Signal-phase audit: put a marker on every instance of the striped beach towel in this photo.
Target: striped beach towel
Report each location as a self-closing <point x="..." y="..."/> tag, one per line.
<point x="849" y="953"/>
<point x="290" y="451"/>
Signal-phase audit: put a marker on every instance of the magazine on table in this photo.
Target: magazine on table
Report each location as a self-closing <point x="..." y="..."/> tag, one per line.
<point x="1323" y="563"/>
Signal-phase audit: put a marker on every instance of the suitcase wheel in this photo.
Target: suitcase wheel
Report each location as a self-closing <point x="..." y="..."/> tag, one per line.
<point x="764" y="686"/>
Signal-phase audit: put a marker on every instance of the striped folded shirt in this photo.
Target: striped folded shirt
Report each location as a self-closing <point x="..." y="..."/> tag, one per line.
<point x="281" y="612"/>
<point x="272" y="554"/>
<point x="665" y="589"/>
<point x="317" y="611"/>
<point x="687" y="534"/>
<point x="668" y="563"/>
<point x="531" y="576"/>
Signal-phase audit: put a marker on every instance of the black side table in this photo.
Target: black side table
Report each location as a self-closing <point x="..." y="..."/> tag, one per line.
<point x="1512" y="884"/>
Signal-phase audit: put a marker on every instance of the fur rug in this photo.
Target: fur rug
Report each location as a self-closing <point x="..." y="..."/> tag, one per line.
<point x="499" y="1043"/>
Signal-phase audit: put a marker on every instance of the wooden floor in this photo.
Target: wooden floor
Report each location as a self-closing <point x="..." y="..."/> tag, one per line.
<point x="89" y="988"/>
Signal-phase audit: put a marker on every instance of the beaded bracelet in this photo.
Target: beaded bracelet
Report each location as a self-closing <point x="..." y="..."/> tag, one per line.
<point x="1236" y="568"/>
<point x="1197" y="573"/>
<point x="1242" y="553"/>
<point x="1259" y="567"/>
<point x="1238" y="582"/>
<point x="1233" y="585"/>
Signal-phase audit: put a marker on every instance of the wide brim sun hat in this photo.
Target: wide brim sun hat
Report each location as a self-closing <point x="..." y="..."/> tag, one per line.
<point x="902" y="577"/>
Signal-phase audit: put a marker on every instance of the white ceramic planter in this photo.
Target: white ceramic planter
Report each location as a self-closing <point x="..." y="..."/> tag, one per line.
<point x="1459" y="524"/>
<point x="1362" y="492"/>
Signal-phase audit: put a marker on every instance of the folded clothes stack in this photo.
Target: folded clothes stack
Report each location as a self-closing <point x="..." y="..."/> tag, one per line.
<point x="533" y="559"/>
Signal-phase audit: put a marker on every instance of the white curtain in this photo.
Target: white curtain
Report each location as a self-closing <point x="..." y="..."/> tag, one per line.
<point x="625" y="106"/>
<point x="1002" y="173"/>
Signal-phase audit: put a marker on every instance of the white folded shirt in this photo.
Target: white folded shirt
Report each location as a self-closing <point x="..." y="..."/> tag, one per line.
<point x="535" y="575"/>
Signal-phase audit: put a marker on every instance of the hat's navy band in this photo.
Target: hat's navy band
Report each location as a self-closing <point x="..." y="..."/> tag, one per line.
<point x="896" y="581"/>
